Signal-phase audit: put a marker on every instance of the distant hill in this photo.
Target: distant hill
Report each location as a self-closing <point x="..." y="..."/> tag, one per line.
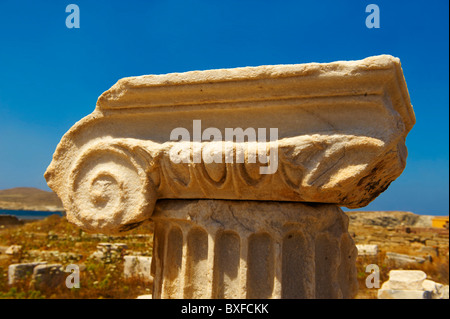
<point x="389" y="218"/>
<point x="29" y="198"/>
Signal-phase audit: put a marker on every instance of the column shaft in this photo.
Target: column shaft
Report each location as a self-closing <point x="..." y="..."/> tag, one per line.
<point x="237" y="249"/>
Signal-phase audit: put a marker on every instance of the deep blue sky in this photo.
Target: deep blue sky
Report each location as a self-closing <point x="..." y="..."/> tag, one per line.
<point x="51" y="76"/>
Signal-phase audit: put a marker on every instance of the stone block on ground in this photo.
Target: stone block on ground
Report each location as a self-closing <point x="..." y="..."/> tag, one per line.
<point x="367" y="250"/>
<point x="145" y="297"/>
<point x="402" y="259"/>
<point x="13" y="250"/>
<point x="137" y="267"/>
<point x="411" y="284"/>
<point x="406" y="279"/>
<point x="20" y="271"/>
<point x="48" y="276"/>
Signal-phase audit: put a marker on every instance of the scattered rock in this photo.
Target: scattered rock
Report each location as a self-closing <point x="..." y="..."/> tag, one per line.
<point x="145" y="297"/>
<point x="367" y="250"/>
<point x="14" y="250"/>
<point x="401" y="259"/>
<point x="137" y="267"/>
<point x="20" y="271"/>
<point x="48" y="276"/>
<point x="411" y="284"/>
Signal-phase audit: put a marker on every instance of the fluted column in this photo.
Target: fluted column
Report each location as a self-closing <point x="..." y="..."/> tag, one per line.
<point x="235" y="249"/>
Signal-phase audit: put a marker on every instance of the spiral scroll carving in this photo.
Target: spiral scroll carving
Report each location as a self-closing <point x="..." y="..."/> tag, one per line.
<point x="109" y="188"/>
<point x="114" y="183"/>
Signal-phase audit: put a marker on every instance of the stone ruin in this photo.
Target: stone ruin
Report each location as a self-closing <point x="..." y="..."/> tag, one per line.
<point x="242" y="171"/>
<point x="411" y="284"/>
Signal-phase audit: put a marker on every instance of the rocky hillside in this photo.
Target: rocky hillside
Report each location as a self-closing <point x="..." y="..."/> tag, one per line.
<point x="28" y="198"/>
<point x="389" y="219"/>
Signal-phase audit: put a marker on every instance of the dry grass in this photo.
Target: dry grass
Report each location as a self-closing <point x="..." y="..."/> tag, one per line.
<point x="97" y="279"/>
<point x="105" y="280"/>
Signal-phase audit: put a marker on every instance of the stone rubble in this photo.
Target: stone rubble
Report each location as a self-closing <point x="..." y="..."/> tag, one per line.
<point x="367" y="250"/>
<point x="47" y="276"/>
<point x="402" y="259"/>
<point x="21" y="271"/>
<point x="14" y="250"/>
<point x="138" y="267"/>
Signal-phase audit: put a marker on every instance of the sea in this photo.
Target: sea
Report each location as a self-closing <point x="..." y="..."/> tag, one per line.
<point x="29" y="214"/>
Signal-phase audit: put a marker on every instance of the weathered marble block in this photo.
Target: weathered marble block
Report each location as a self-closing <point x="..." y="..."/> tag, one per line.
<point x="48" y="276"/>
<point x="137" y="267"/>
<point x="367" y="250"/>
<point x="340" y="138"/>
<point x="411" y="284"/>
<point x="20" y="271"/>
